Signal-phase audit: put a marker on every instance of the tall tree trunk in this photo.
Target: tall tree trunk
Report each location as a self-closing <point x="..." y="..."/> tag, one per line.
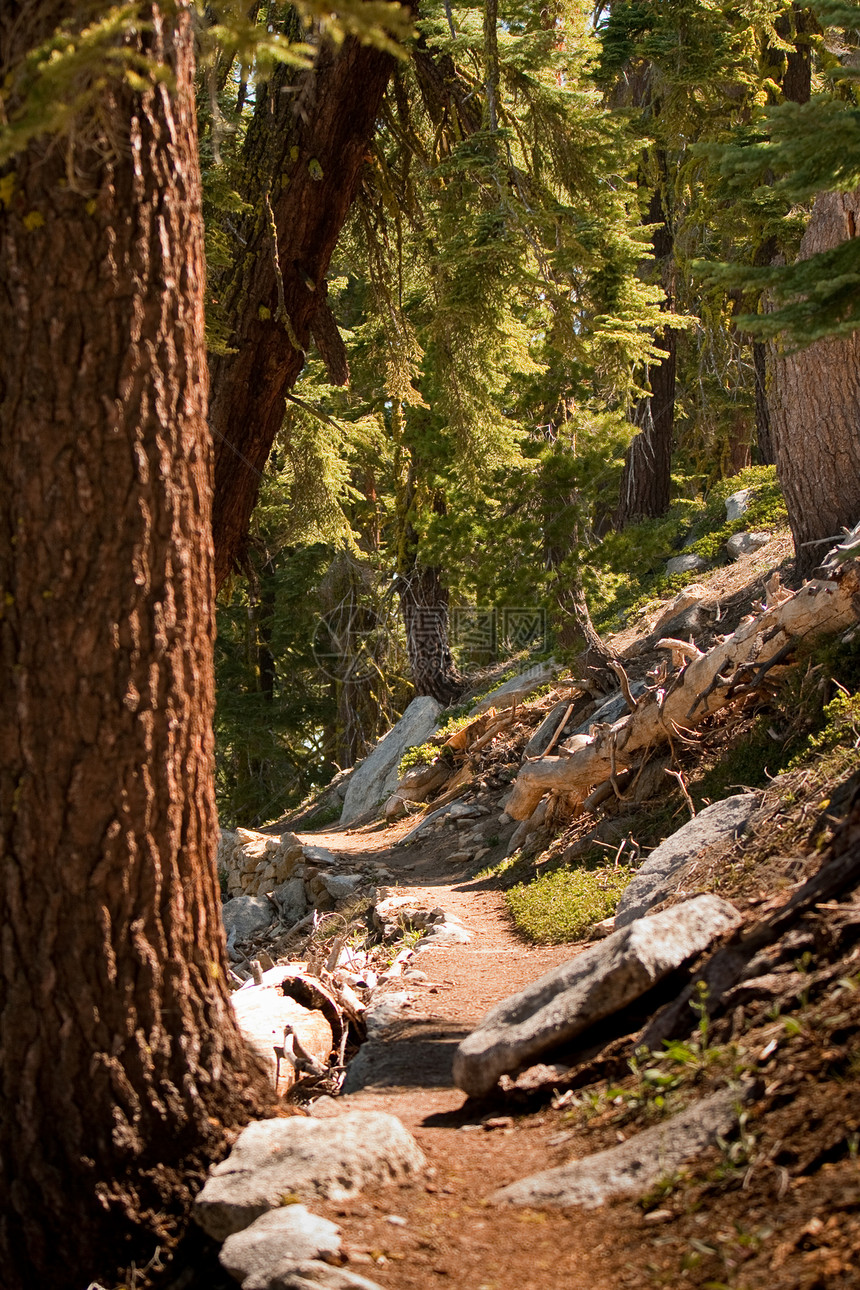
<point x="646" y="481"/>
<point x="815" y="410"/>
<point x="424" y="602"/>
<point x="120" y="1063"/>
<point x="303" y="159"/>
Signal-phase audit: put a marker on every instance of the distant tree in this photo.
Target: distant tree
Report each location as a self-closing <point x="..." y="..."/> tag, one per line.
<point x="121" y="1066"/>
<point x="297" y="173"/>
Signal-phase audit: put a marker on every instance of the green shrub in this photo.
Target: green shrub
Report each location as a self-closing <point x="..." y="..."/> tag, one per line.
<point x="564" y="904"/>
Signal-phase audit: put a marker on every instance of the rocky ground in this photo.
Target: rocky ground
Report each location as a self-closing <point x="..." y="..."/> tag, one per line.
<point x="674" y="1103"/>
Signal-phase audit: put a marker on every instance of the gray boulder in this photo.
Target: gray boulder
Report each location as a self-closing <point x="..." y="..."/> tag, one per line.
<point x="305" y="1158"/>
<point x="376" y="778"/>
<point x="612" y="710"/>
<point x="518" y="687"/>
<point x="738" y="504"/>
<point x="689" y="563"/>
<point x="603" y="979"/>
<point x="539" y="741"/>
<point x="290" y="1233"/>
<point x="245" y="916"/>
<point x="310" y="1275"/>
<point x="291" y="899"/>
<point x="658" y="877"/>
<point x="745" y="543"/>
<point x="341" y="885"/>
<point x="632" y="1167"/>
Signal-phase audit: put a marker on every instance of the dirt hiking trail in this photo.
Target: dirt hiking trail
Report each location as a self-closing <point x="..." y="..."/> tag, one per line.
<point x="446" y="1233"/>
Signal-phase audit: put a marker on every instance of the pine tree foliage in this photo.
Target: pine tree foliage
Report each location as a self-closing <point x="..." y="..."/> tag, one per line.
<point x="774" y="168"/>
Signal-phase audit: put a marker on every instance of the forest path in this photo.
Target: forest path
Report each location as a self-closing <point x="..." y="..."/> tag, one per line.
<point x="446" y="1233"/>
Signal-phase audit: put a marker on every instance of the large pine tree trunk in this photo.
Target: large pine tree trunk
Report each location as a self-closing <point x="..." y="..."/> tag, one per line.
<point x="120" y="1063"/>
<point x="303" y="160"/>
<point x="815" y="411"/>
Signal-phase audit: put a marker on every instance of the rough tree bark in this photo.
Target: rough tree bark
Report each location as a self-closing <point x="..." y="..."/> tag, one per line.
<point x="815" y="410"/>
<point x="647" y="477"/>
<point x="424" y="603"/>
<point x="120" y="1064"/>
<point x="303" y="159"/>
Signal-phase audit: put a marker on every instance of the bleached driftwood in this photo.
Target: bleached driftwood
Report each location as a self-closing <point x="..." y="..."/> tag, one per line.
<point x="732" y="668"/>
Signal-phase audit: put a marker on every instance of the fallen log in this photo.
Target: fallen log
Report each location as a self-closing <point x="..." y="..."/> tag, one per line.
<point x="734" y="667"/>
<point x="292" y="1022"/>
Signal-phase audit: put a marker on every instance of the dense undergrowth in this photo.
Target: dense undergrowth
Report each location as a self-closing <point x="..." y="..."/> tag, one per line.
<point x="628" y="569"/>
<point x="799" y="745"/>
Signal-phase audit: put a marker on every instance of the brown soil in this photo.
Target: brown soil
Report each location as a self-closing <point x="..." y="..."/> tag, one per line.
<point x="779" y="1207"/>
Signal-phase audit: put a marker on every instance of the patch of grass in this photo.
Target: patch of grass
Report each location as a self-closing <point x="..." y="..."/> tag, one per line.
<point x="564" y="904"/>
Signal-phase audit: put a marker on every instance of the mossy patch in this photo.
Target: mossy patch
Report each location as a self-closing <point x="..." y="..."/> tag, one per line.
<point x="564" y="904"/>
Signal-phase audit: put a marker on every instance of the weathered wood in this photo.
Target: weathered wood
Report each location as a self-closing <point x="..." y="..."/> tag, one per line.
<point x="707" y="684"/>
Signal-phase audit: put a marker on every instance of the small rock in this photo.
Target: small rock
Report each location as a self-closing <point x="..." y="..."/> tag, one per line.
<point x="310" y="1275"/>
<point x="737" y="504"/>
<point x="605" y="927"/>
<point x="394" y="808"/>
<point x="385" y="1011"/>
<point x="685" y="599"/>
<point x="603" y="979"/>
<point x="291" y="900"/>
<point x="461" y="857"/>
<point x="632" y="1167"/>
<point x="464" y="811"/>
<point x="444" y="934"/>
<point x="304" y="1157"/>
<point x="289" y="1233"/>
<point x="744" y="543"/>
<point x="614" y="708"/>
<point x="244" y="916"/>
<point x="341" y="885"/>
<point x="689" y="563"/>
<point x="320" y="855"/>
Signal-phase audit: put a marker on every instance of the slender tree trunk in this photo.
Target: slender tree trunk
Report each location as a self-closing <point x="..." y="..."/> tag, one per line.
<point x="815" y="410"/>
<point x="646" y="481"/>
<point x="764" y="435"/>
<point x="424" y="602"/>
<point x="304" y="155"/>
<point x="120" y="1063"/>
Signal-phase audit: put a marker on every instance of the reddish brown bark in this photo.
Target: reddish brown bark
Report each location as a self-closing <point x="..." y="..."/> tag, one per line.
<point x="305" y="149"/>
<point x="815" y="411"/>
<point x="120" y="1063"/>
